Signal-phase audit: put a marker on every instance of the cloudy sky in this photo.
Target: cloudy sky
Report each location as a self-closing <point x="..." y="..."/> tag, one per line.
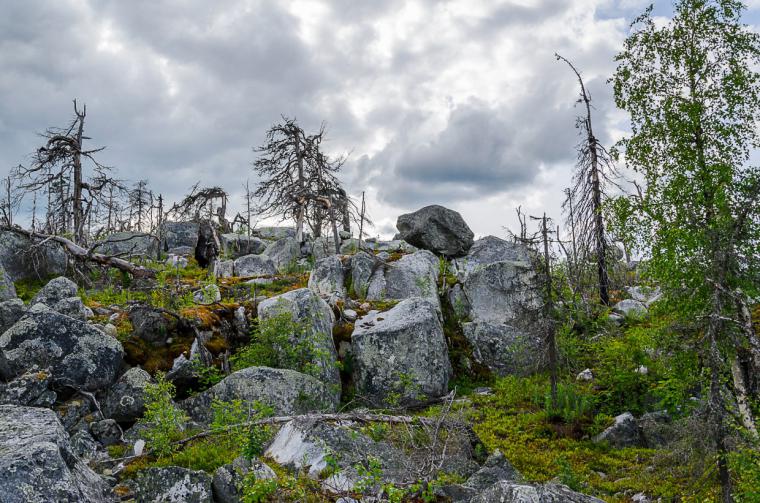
<point x="455" y="102"/>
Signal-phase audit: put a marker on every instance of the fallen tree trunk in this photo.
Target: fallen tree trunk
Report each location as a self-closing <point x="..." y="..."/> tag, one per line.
<point x="83" y="254"/>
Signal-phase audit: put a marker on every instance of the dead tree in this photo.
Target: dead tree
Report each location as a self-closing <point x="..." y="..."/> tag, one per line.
<point x="592" y="175"/>
<point x="209" y="203"/>
<point x="141" y="205"/>
<point x="57" y="166"/>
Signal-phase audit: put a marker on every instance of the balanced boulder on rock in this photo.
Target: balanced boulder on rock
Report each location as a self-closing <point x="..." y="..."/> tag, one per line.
<point x="414" y="275"/>
<point x="438" y="229"/>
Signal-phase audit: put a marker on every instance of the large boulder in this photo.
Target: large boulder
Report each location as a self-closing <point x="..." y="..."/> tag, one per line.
<point x="7" y="288"/>
<point x="173" y="485"/>
<point x="438" y="229"/>
<point x="22" y="259"/>
<point x="10" y="312"/>
<point x="328" y="277"/>
<point x="489" y="250"/>
<point x="150" y="324"/>
<point x="78" y="354"/>
<point x="60" y="295"/>
<point x="315" y="319"/>
<point x="228" y="479"/>
<point x="284" y="253"/>
<point x="625" y="432"/>
<point x="254" y="265"/>
<point x="363" y="265"/>
<point x="125" y="401"/>
<point x="506" y="491"/>
<point x="129" y="244"/>
<point x="414" y="275"/>
<point x="32" y="389"/>
<point x="503" y="348"/>
<point x="274" y="233"/>
<point x="179" y="234"/>
<point x="502" y="292"/>
<point x="236" y="245"/>
<point x="38" y="462"/>
<point x="401" y="355"/>
<point x="287" y="391"/>
<point x="630" y="307"/>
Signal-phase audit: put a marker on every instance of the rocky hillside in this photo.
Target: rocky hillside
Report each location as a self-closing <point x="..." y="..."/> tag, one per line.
<point x="257" y="368"/>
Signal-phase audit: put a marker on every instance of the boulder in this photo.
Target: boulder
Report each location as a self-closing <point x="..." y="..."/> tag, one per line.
<point x="38" y="462"/>
<point x="125" y="401"/>
<point x="228" y="479"/>
<point x="316" y="320"/>
<point x="21" y="260"/>
<point x="177" y="261"/>
<point x="224" y="268"/>
<point x="129" y="244"/>
<point x="504" y="349"/>
<point x="322" y="247"/>
<point x="644" y="294"/>
<point x="328" y="277"/>
<point x="106" y="431"/>
<point x="254" y="265"/>
<point x="177" y="234"/>
<point x="307" y="444"/>
<point x="438" y="229"/>
<point x="150" y="325"/>
<point x="7" y="288"/>
<point x="10" y="312"/>
<point x="209" y="294"/>
<point x="657" y="429"/>
<point x="60" y="295"/>
<point x="274" y="233"/>
<point x="284" y="253"/>
<point x="182" y="251"/>
<point x="502" y="292"/>
<point x="496" y="467"/>
<point x="505" y="491"/>
<point x="624" y="433"/>
<point x="400" y="355"/>
<point x="351" y="246"/>
<point x="173" y="485"/>
<point x="630" y="307"/>
<point x="287" y="391"/>
<point x="489" y="250"/>
<point x="30" y="388"/>
<point x="393" y="246"/>
<point x="236" y="245"/>
<point x="414" y="275"/>
<point x="362" y="266"/>
<point x="77" y="353"/>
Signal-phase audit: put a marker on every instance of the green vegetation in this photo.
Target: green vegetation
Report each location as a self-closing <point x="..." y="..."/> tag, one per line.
<point x="164" y="420"/>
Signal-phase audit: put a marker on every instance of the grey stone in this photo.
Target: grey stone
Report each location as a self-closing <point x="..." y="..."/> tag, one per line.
<point x="645" y="295"/>
<point x="414" y="275"/>
<point x="60" y="295"/>
<point x="401" y="352"/>
<point x="228" y="479"/>
<point x="78" y="354"/>
<point x="274" y="233"/>
<point x="322" y="247"/>
<point x="7" y="288"/>
<point x="10" y="312"/>
<point x="22" y="260"/>
<point x="176" y="234"/>
<point x="254" y="265"/>
<point x="351" y="246"/>
<point x="106" y="431"/>
<point x="287" y="391"/>
<point x="208" y="247"/>
<point x="328" y="277"/>
<point x="284" y="253"/>
<point x="149" y="325"/>
<point x="438" y="229"/>
<point x="182" y="251"/>
<point x="362" y="266"/>
<point x="501" y="292"/>
<point x="585" y="375"/>
<point x="125" y="401"/>
<point x="489" y="250"/>
<point x="30" y="388"/>
<point x="394" y="246"/>
<point x="209" y="294"/>
<point x="459" y="303"/>
<point x="129" y="244"/>
<point x="224" y="268"/>
<point x="173" y="485"/>
<point x="496" y="468"/>
<point x="624" y="433"/>
<point x="236" y="245"/>
<point x="509" y="492"/>
<point x="504" y="349"/>
<point x="177" y="261"/>
<point x="630" y="307"/>
<point x="657" y="429"/>
<point x="315" y="316"/>
<point x="38" y="462"/>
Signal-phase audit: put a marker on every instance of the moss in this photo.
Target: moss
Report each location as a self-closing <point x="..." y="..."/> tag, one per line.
<point x="152" y="358"/>
<point x="26" y="289"/>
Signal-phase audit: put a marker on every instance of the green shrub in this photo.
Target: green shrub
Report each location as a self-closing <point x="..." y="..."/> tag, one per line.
<point x="571" y="405"/>
<point x="165" y="421"/>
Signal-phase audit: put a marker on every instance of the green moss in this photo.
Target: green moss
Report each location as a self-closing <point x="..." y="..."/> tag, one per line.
<point x="26" y="289"/>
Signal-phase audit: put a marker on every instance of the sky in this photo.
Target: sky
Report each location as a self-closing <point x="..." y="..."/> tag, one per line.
<point x="452" y="102"/>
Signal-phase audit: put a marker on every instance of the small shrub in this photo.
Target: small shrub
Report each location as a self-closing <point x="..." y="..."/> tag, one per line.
<point x="165" y="421"/>
<point x="571" y="406"/>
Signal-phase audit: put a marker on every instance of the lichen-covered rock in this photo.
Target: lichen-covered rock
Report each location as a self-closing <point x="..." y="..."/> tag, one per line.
<point x="173" y="485"/>
<point x="106" y="431"/>
<point x="645" y="295"/>
<point x="224" y="268"/>
<point x="316" y="319"/>
<point x="149" y="324"/>
<point x="274" y="233"/>
<point x="129" y="244"/>
<point x="10" y="312"/>
<point x="509" y="492"/>
<point x="209" y="294"/>
<point x="489" y="250"/>
<point x="254" y="265"/>
<point x="501" y="292"/>
<point x="657" y="429"/>
<point x="624" y="433"/>
<point x="362" y="266"/>
<point x="284" y="253"/>
<point x="236" y="245"/>
<point x="7" y="288"/>
<point x="438" y="229"/>
<point x="31" y="388"/>
<point x="77" y="353"/>
<point x="22" y="259"/>
<point x="38" y="463"/>
<point x="414" y="275"/>
<point x="125" y="401"/>
<point x="228" y="479"/>
<point x="630" y="307"/>
<point x="502" y="348"/>
<point x="401" y="354"/>
<point x="322" y="247"/>
<point x="60" y="295"/>
<point x="287" y="391"/>
<point x="328" y="277"/>
<point x="393" y="246"/>
<point x="177" y="234"/>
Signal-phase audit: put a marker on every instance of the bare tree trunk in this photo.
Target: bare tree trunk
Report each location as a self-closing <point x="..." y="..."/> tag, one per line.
<point x="361" y="221"/>
<point x="549" y="314"/>
<point x="301" y="202"/>
<point x="77" y="202"/>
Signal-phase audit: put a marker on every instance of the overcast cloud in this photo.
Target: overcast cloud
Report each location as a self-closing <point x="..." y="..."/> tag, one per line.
<point x="458" y="102"/>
